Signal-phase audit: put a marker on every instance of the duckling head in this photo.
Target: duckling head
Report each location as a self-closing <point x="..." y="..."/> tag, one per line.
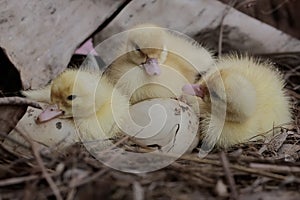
<point x="146" y="47"/>
<point x="227" y="91"/>
<point x="72" y="95"/>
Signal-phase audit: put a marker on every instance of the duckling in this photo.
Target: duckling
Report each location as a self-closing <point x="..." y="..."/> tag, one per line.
<point x="158" y="62"/>
<point x="90" y="100"/>
<point x="243" y="98"/>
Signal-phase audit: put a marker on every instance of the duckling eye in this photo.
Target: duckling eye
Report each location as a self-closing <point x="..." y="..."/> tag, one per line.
<point x="214" y="95"/>
<point x="137" y="47"/>
<point x="71" y="97"/>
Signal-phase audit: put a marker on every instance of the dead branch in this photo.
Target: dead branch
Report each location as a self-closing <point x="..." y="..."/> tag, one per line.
<point x="229" y="176"/>
<point x="43" y="168"/>
<point x="226" y="11"/>
<point x="18" y="101"/>
<point x="268" y="12"/>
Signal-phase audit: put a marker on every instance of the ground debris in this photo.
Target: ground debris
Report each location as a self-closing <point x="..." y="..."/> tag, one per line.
<point x="76" y="174"/>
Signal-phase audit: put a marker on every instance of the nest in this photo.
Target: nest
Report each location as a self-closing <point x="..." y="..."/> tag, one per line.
<point x="252" y="170"/>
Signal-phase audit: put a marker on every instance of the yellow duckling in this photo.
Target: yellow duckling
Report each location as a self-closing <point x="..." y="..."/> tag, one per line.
<point x="243" y="99"/>
<point x="157" y="64"/>
<point x="89" y="100"/>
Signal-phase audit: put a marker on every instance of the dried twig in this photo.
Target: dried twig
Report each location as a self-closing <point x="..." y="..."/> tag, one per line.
<point x="45" y="173"/>
<point x="236" y="167"/>
<point x="41" y="165"/>
<point x="18" y="101"/>
<point x="4" y="135"/>
<point x="258" y="172"/>
<point x="275" y="9"/>
<point x="226" y="11"/>
<point x="71" y="194"/>
<point x="276" y="168"/>
<point x="195" y="172"/>
<point x="91" y="178"/>
<point x="245" y="3"/>
<point x="229" y="176"/>
<point x="293" y="93"/>
<point x="17" y="180"/>
<point x="138" y="191"/>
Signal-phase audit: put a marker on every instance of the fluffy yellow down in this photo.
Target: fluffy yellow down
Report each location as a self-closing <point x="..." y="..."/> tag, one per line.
<point x="180" y="60"/>
<point x="254" y="101"/>
<point x="95" y="109"/>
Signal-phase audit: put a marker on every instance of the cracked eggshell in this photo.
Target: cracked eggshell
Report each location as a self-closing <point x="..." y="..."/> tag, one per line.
<point x="168" y="123"/>
<point x="56" y="133"/>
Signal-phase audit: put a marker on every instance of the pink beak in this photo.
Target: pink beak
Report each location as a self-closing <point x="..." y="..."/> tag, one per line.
<point x="86" y="48"/>
<point x="49" y="113"/>
<point x="194" y="89"/>
<point x="152" y="67"/>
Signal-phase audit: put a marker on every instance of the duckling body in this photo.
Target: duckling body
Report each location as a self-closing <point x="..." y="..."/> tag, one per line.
<point x="157" y="64"/>
<point x="250" y="95"/>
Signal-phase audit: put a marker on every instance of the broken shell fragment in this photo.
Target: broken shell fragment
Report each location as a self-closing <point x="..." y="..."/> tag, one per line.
<point x="55" y="134"/>
<point x="166" y="123"/>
